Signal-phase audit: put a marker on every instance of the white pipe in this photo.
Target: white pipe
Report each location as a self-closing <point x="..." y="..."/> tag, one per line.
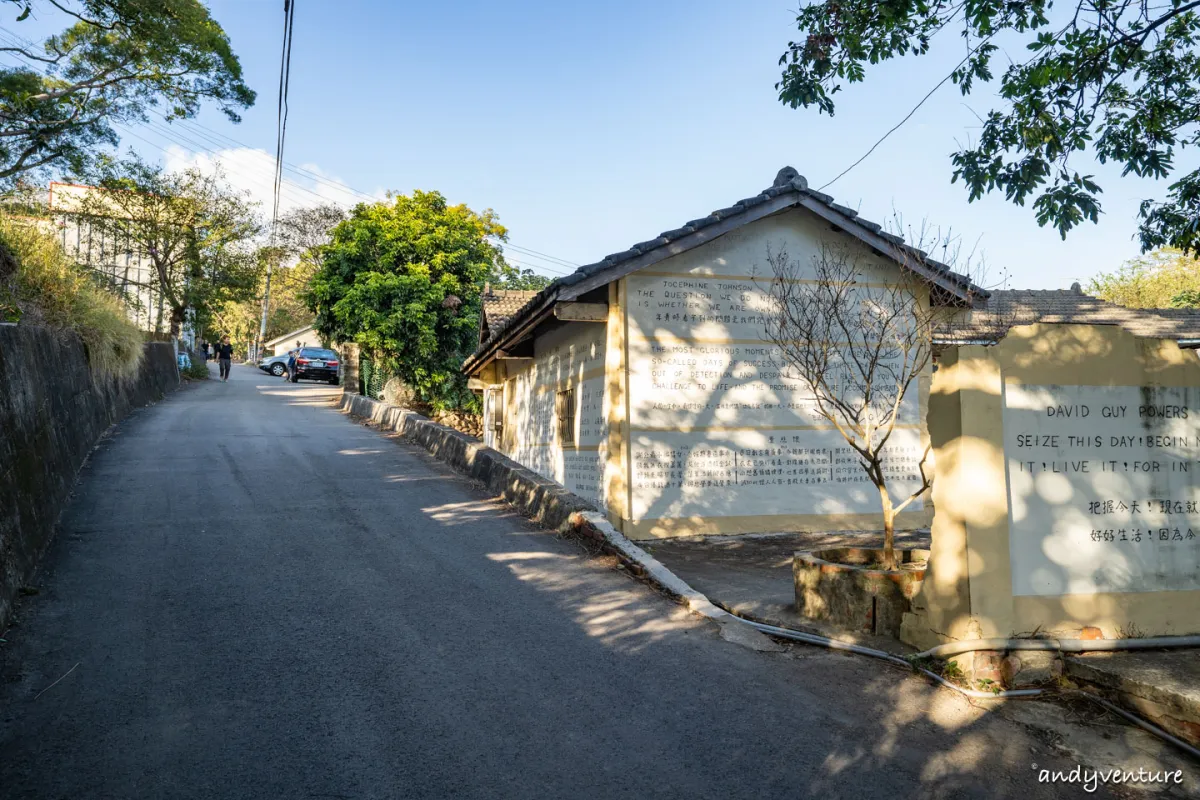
<point x="834" y="644"/>
<point x="1141" y="723"/>
<point x="1060" y="645"/>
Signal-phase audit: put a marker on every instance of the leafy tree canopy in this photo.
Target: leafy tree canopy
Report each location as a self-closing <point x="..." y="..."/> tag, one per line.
<point x="117" y="60"/>
<point x="403" y="280"/>
<point x="1166" y="278"/>
<point x="1116" y="79"/>
<point x="190" y="227"/>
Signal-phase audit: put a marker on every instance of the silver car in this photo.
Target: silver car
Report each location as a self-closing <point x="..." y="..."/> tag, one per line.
<point x="276" y="365"/>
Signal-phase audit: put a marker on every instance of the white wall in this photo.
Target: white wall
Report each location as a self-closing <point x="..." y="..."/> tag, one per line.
<point x="309" y="338"/>
<point x="569" y="357"/>
<point x="716" y="431"/>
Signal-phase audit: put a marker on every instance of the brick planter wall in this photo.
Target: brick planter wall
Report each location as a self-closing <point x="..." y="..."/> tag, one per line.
<point x="843" y="586"/>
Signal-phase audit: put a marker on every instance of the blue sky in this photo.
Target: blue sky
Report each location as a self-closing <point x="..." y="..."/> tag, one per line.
<point x="588" y="127"/>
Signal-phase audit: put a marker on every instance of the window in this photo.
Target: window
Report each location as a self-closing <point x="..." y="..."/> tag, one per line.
<point x="566" y="417"/>
<point x="496" y="412"/>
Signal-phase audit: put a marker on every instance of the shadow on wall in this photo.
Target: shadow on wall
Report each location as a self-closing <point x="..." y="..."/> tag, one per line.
<point x="717" y="429"/>
<point x="1067" y="493"/>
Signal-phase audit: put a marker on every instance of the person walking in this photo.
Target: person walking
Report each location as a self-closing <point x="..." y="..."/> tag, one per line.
<point x="225" y="357"/>
<point x="291" y="365"/>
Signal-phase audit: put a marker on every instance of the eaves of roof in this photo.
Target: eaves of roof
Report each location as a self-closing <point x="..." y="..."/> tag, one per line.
<point x="789" y="190"/>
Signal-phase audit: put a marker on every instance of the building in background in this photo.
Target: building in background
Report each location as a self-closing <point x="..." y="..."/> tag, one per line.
<point x="127" y="273"/>
<point x="302" y="337"/>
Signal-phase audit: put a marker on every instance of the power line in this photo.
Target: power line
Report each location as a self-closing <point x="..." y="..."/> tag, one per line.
<point x="173" y="131"/>
<point x="909" y="115"/>
<point x="285" y="68"/>
<point x="262" y="169"/>
<point x="216" y="138"/>
<point x="527" y="265"/>
<point x="542" y="256"/>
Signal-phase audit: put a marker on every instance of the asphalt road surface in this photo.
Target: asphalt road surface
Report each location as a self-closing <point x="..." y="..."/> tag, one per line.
<point x="253" y="596"/>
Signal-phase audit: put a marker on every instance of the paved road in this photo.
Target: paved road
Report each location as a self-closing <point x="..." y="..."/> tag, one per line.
<point x="252" y="596"/>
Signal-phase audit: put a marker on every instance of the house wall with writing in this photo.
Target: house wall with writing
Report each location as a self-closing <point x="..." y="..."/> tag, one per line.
<point x="570" y="357"/>
<point x="1067" y="490"/>
<point x="720" y="439"/>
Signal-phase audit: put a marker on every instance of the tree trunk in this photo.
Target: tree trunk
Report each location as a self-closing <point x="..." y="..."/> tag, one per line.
<point x="177" y="317"/>
<point x="889" y="529"/>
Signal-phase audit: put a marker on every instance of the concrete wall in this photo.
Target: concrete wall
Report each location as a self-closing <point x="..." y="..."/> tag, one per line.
<point x="719" y="440"/>
<point x="52" y="411"/>
<point x="570" y="357"/>
<point x="1067" y="488"/>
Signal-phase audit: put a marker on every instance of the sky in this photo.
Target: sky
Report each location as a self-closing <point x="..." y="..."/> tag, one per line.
<point x="588" y="127"/>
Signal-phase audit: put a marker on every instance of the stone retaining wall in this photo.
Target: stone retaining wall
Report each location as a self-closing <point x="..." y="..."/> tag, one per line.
<point x="542" y="500"/>
<point x="52" y="412"/>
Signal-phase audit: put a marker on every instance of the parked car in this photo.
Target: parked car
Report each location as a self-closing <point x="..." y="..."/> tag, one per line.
<point x="315" y="363"/>
<point x="276" y="365"/>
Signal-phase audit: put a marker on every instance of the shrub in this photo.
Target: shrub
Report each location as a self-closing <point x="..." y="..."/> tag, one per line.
<point x="41" y="285"/>
<point x="198" y="371"/>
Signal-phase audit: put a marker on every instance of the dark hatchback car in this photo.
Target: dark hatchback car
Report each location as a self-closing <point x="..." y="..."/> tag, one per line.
<point x="315" y="363"/>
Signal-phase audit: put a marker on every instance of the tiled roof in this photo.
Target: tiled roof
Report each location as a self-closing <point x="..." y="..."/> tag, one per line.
<point x="787" y="181"/>
<point x="1002" y="310"/>
<point x="499" y="305"/>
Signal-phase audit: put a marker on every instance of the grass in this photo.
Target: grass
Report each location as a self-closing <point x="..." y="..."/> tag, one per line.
<point x="41" y="285"/>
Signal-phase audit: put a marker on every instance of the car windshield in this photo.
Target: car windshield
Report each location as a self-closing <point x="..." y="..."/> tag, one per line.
<point x="315" y="352"/>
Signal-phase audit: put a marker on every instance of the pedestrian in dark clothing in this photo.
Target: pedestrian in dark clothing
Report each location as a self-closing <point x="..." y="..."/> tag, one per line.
<point x="225" y="357"/>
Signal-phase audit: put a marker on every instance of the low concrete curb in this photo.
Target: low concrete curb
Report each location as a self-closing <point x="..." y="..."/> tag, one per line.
<point x="549" y="504"/>
<point x="544" y="501"/>
<point x="1159" y="685"/>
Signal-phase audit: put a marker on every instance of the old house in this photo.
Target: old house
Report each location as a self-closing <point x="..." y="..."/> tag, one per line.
<point x="643" y="382"/>
<point x="301" y="337"/>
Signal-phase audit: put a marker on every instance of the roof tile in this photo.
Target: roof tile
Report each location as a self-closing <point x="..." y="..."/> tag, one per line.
<point x="1007" y="309"/>
<point x="788" y="180"/>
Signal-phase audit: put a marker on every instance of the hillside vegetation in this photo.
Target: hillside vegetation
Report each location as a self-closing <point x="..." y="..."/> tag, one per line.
<point x="40" y="285"/>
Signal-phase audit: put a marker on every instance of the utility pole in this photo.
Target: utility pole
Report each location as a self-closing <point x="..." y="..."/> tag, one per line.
<point x="262" y="328"/>
<point x="285" y="68"/>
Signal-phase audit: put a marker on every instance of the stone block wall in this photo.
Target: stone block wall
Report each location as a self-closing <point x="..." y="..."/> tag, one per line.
<point x="546" y="502"/>
<point x="52" y="412"/>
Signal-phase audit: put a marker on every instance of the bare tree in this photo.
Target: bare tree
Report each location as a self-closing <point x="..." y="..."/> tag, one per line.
<point x="858" y="345"/>
<point x="302" y="232"/>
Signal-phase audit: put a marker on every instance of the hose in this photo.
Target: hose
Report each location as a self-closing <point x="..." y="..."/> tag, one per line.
<point x="834" y="644"/>
<point x="1143" y="724"/>
<point x="1060" y="645"/>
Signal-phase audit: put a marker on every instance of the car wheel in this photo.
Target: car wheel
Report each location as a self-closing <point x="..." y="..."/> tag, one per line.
<point x="333" y="381"/>
<point x="278" y="370"/>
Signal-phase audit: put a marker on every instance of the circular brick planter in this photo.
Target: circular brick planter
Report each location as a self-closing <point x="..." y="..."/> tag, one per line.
<point x="846" y="587"/>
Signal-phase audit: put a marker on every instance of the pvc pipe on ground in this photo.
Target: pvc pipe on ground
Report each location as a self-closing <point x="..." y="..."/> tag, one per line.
<point x="1143" y="724"/>
<point x="834" y="644"/>
<point x="1059" y="645"/>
